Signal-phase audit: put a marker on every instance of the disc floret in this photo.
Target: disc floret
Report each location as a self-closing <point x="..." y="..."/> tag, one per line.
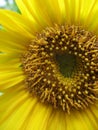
<point x="61" y="67"/>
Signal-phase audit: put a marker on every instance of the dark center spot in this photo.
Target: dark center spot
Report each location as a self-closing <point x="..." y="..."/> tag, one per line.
<point x="67" y="64"/>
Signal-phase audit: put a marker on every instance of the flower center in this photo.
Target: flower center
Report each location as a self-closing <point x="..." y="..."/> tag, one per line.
<point x="67" y="64"/>
<point x="61" y="67"/>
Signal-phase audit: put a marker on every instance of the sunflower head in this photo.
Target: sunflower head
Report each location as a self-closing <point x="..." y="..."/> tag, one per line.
<point x="61" y="67"/>
<point x="49" y="66"/>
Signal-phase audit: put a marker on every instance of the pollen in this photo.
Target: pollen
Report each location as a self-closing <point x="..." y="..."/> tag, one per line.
<point x="61" y="67"/>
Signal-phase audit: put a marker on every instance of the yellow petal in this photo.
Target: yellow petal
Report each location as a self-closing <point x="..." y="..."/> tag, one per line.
<point x="10" y="71"/>
<point x="9" y="58"/>
<point x="15" y="107"/>
<point x="9" y="81"/>
<point x="10" y="42"/>
<point x="17" y="23"/>
<point x="48" y="12"/>
<point x="39" y="117"/>
<point x="44" y="12"/>
<point x="24" y="112"/>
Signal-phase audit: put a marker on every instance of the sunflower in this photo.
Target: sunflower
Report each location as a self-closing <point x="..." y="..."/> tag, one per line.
<point x="49" y="65"/>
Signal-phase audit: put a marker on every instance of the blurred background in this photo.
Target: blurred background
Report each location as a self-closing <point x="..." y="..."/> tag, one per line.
<point x="9" y="4"/>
